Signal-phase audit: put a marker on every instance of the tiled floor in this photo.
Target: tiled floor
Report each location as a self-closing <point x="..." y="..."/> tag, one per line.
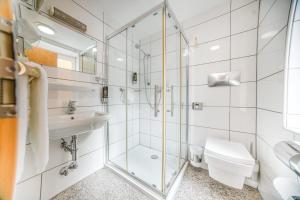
<point x="196" y="185"/>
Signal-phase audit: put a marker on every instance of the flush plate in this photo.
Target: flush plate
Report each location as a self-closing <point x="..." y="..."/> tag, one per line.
<point x="224" y="79"/>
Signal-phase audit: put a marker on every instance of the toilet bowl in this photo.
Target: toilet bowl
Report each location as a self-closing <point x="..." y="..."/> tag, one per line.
<point x="228" y="162"/>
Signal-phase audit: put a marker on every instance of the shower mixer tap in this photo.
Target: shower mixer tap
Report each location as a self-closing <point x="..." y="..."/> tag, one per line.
<point x="71" y="107"/>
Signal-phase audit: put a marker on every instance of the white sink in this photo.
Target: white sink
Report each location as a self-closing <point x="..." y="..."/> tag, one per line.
<point x="61" y="126"/>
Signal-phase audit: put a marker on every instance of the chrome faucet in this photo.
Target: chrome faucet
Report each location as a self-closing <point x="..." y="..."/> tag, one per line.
<point x="71" y="107"/>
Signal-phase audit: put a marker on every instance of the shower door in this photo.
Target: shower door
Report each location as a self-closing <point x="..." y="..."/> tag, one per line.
<point x="117" y="105"/>
<point x="144" y="56"/>
<point x="176" y="96"/>
<point x="147" y="79"/>
<point x="135" y="100"/>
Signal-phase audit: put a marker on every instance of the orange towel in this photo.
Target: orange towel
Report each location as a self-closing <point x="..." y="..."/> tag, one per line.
<point x="8" y="150"/>
<point x="5" y="9"/>
<point x="42" y="56"/>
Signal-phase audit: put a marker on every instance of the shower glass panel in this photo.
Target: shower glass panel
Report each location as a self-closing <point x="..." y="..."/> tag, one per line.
<point x="117" y="106"/>
<point x="144" y="49"/>
<point x="172" y="70"/>
<point x="147" y="136"/>
<point x="184" y="99"/>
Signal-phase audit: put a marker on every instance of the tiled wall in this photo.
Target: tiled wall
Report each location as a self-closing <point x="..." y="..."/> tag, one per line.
<point x="270" y="85"/>
<point x="222" y="40"/>
<point x="35" y="186"/>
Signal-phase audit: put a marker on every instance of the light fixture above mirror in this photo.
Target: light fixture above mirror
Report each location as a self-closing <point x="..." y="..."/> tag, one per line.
<point x="44" y="28"/>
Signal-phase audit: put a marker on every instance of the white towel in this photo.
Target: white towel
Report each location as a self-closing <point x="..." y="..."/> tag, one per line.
<point x="38" y="122"/>
<point x="22" y="109"/>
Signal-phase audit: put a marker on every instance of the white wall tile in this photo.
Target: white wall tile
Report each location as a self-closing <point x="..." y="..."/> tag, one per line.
<point x="144" y="111"/>
<point x="29" y="189"/>
<point x="199" y="135"/>
<point x="243" y="44"/>
<point x="117" y="132"/>
<point x="272" y="58"/>
<point x="118" y="113"/>
<point x="243" y="95"/>
<point x="211" y="14"/>
<point x="92" y="6"/>
<point x="247" y="67"/>
<point x="270" y="127"/>
<point x="247" y="139"/>
<point x="270" y="92"/>
<point x="265" y="6"/>
<point x="116" y="76"/>
<point x="210" y="30"/>
<point x="239" y="3"/>
<point x="58" y="98"/>
<point x="156" y="128"/>
<point x="243" y="119"/>
<point x="212" y="117"/>
<point x="145" y="140"/>
<point x="245" y="18"/>
<point x="145" y="126"/>
<point x="273" y="22"/>
<point x="209" y="96"/>
<point x="204" y="54"/>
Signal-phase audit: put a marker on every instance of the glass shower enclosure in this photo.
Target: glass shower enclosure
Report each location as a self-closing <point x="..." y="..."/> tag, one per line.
<point x="147" y="70"/>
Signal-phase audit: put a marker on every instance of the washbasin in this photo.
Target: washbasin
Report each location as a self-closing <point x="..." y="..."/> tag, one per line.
<point x="61" y="126"/>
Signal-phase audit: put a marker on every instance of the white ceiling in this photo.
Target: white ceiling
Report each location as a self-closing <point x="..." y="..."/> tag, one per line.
<point x="123" y="11"/>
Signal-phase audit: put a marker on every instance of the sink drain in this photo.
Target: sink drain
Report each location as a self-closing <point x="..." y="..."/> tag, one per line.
<point x="154" y="157"/>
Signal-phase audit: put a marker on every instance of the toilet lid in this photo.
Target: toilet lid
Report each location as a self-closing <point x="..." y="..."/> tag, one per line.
<point x="227" y="150"/>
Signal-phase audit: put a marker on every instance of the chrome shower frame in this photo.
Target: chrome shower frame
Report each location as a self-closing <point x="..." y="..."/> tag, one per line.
<point x="163" y="193"/>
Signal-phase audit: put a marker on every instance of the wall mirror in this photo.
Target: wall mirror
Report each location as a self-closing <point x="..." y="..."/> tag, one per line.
<point x="46" y="41"/>
<point x="291" y="111"/>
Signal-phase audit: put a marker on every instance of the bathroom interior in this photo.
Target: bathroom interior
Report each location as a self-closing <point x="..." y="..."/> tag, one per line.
<point x="149" y="99"/>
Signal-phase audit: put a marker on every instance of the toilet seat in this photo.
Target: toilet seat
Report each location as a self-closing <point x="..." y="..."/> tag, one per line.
<point x="228" y="151"/>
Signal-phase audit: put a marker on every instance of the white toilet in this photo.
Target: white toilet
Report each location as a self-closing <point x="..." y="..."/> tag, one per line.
<point x="228" y="162"/>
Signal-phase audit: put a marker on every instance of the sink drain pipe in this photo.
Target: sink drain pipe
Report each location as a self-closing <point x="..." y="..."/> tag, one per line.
<point x="72" y="148"/>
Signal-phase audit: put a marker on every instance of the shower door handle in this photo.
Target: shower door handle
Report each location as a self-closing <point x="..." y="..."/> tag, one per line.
<point x="155" y="100"/>
<point x="172" y="100"/>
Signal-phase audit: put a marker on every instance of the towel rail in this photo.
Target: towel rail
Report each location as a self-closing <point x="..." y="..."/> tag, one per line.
<point x="9" y="69"/>
<point x="28" y="70"/>
<point x="7" y="74"/>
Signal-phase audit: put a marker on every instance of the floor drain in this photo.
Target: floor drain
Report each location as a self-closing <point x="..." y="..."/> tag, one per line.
<point x="154" y="157"/>
<point x="133" y="173"/>
<point x="153" y="185"/>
